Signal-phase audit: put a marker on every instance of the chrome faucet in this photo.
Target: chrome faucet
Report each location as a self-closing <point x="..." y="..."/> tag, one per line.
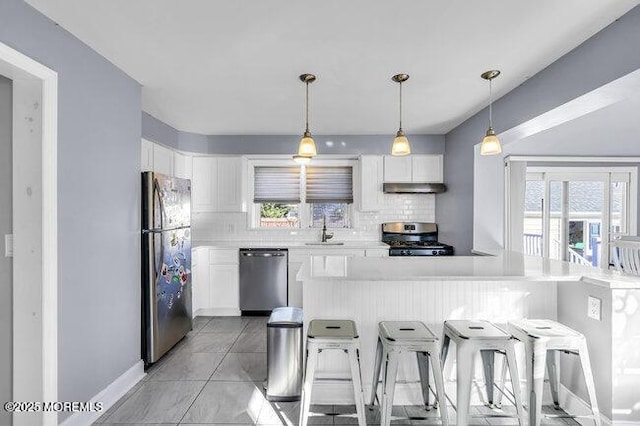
<point x="326" y="236"/>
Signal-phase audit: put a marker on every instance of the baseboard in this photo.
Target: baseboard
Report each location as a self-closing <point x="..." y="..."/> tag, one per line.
<point x="217" y="312"/>
<point x="108" y="396"/>
<point x="573" y="404"/>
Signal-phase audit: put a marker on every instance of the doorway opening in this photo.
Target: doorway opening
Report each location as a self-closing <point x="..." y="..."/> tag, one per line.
<point x="34" y="217"/>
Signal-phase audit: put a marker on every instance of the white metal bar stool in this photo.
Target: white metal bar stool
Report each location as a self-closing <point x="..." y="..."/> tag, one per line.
<point x="394" y="338"/>
<point x="544" y="340"/>
<point x="470" y="338"/>
<point x="332" y="335"/>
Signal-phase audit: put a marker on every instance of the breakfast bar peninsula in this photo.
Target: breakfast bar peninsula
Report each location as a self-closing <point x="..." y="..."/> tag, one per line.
<point x="501" y="287"/>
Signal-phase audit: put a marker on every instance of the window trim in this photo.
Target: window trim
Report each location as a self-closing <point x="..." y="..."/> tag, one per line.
<point x="253" y="221"/>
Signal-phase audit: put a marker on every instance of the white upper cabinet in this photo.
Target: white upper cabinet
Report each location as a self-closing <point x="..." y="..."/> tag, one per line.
<point x="427" y="168"/>
<point x="146" y="156"/>
<point x="397" y="169"/>
<point x="229" y="184"/>
<point x="203" y="184"/>
<point x="371" y="177"/>
<point x="413" y="168"/>
<point x="182" y="166"/>
<point x="217" y="184"/>
<point x="162" y="160"/>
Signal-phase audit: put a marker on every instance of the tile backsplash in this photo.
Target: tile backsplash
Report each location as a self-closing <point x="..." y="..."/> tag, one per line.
<point x="365" y="225"/>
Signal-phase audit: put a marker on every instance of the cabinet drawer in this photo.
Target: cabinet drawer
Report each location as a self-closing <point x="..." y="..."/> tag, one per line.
<point x="223" y="256"/>
<point x="376" y="252"/>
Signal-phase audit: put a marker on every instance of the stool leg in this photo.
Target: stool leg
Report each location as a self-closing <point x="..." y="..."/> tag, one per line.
<point x="465" y="360"/>
<point x="423" y="368"/>
<point x="489" y="373"/>
<point x="305" y="402"/>
<point x="588" y="378"/>
<point x="515" y="382"/>
<point x="444" y="349"/>
<point x="389" y="386"/>
<point x="553" y="362"/>
<point x="376" y="372"/>
<point x="438" y="378"/>
<point x="536" y="354"/>
<point x="501" y="384"/>
<point x="356" y="379"/>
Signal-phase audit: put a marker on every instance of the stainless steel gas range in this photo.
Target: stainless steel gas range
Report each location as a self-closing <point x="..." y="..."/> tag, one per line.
<point x="414" y="239"/>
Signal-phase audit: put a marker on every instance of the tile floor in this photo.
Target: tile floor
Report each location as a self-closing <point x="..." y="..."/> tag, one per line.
<point x="215" y="375"/>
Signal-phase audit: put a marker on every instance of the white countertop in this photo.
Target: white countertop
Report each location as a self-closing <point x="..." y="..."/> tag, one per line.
<point x="504" y="266"/>
<point x="289" y="244"/>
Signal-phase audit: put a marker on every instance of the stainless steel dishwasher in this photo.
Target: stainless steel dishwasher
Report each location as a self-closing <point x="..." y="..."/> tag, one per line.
<point x="263" y="280"/>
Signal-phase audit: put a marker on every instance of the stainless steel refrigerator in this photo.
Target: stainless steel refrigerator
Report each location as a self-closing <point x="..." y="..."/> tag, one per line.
<point x="166" y="263"/>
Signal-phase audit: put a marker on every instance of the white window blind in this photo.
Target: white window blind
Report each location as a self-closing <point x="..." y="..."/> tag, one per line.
<point x="329" y="185"/>
<point x="276" y="185"/>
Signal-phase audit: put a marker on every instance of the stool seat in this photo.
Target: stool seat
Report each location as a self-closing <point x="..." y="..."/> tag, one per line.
<point x="483" y="330"/>
<point x="405" y="331"/>
<point x="543" y="328"/>
<point x="332" y="329"/>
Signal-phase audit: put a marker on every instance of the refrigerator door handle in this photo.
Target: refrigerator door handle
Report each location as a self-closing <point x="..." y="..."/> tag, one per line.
<point x="156" y="192"/>
<point x="160" y="230"/>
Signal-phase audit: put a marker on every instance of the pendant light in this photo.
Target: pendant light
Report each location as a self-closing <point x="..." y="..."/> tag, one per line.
<point x="307" y="147"/>
<point x="400" y="143"/>
<point x="490" y="144"/>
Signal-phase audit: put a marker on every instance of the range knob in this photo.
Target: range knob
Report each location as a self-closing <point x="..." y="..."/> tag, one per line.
<point x="434" y="252"/>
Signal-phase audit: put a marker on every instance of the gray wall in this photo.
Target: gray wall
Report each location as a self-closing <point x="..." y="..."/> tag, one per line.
<point x="6" y="289"/>
<point x="608" y="55"/>
<point x="99" y="203"/>
<point x="157" y="131"/>
<point x="572" y="311"/>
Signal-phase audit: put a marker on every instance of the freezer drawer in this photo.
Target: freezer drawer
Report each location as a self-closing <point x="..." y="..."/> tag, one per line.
<point x="263" y="279"/>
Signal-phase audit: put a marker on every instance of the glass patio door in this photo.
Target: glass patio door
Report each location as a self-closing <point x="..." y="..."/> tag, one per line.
<point x="573" y="216"/>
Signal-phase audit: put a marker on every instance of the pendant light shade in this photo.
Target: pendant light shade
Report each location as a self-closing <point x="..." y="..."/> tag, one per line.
<point x="490" y="145"/>
<point x="307" y="146"/>
<point x="401" y="144"/>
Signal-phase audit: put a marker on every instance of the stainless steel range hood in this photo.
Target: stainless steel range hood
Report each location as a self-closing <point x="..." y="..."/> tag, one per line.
<point x="413" y="188"/>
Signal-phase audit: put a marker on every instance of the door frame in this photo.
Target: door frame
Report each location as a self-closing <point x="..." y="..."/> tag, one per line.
<point x="35" y="302"/>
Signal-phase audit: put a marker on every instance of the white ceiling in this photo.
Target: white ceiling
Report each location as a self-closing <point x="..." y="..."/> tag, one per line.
<point x="231" y="67"/>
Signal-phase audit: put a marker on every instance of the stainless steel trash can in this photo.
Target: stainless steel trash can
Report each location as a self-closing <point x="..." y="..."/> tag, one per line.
<point x="284" y="354"/>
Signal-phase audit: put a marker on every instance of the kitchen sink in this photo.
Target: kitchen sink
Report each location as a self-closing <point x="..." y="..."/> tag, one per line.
<point x="328" y="243"/>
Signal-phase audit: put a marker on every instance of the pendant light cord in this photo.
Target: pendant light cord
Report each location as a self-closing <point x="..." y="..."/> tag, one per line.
<point x="307" y="108"/>
<point x="490" y="105"/>
<point x="400" y="105"/>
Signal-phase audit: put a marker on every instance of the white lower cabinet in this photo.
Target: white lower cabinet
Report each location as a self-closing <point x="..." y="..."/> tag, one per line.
<point x="215" y="282"/>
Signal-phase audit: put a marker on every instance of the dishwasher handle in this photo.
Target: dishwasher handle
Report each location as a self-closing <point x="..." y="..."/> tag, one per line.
<point x="249" y="254"/>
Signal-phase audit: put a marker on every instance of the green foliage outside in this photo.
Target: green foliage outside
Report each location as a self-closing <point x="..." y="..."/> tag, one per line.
<point x="273" y="210"/>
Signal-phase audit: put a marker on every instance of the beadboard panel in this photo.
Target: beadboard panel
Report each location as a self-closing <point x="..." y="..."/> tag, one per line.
<point x="368" y="302"/>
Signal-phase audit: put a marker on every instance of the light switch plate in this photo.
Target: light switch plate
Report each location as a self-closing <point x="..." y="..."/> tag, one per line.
<point x="8" y="245"/>
<point x="594" y="306"/>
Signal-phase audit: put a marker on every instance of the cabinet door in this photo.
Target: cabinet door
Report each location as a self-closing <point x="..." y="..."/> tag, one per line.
<point x="162" y="160"/>
<point x="146" y="157"/>
<point x="371" y="177"/>
<point x="199" y="281"/>
<point x="397" y="169"/>
<point x="203" y="184"/>
<point x="182" y="166"/>
<point x="224" y="287"/>
<point x="427" y="168"/>
<point x="229" y="184"/>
